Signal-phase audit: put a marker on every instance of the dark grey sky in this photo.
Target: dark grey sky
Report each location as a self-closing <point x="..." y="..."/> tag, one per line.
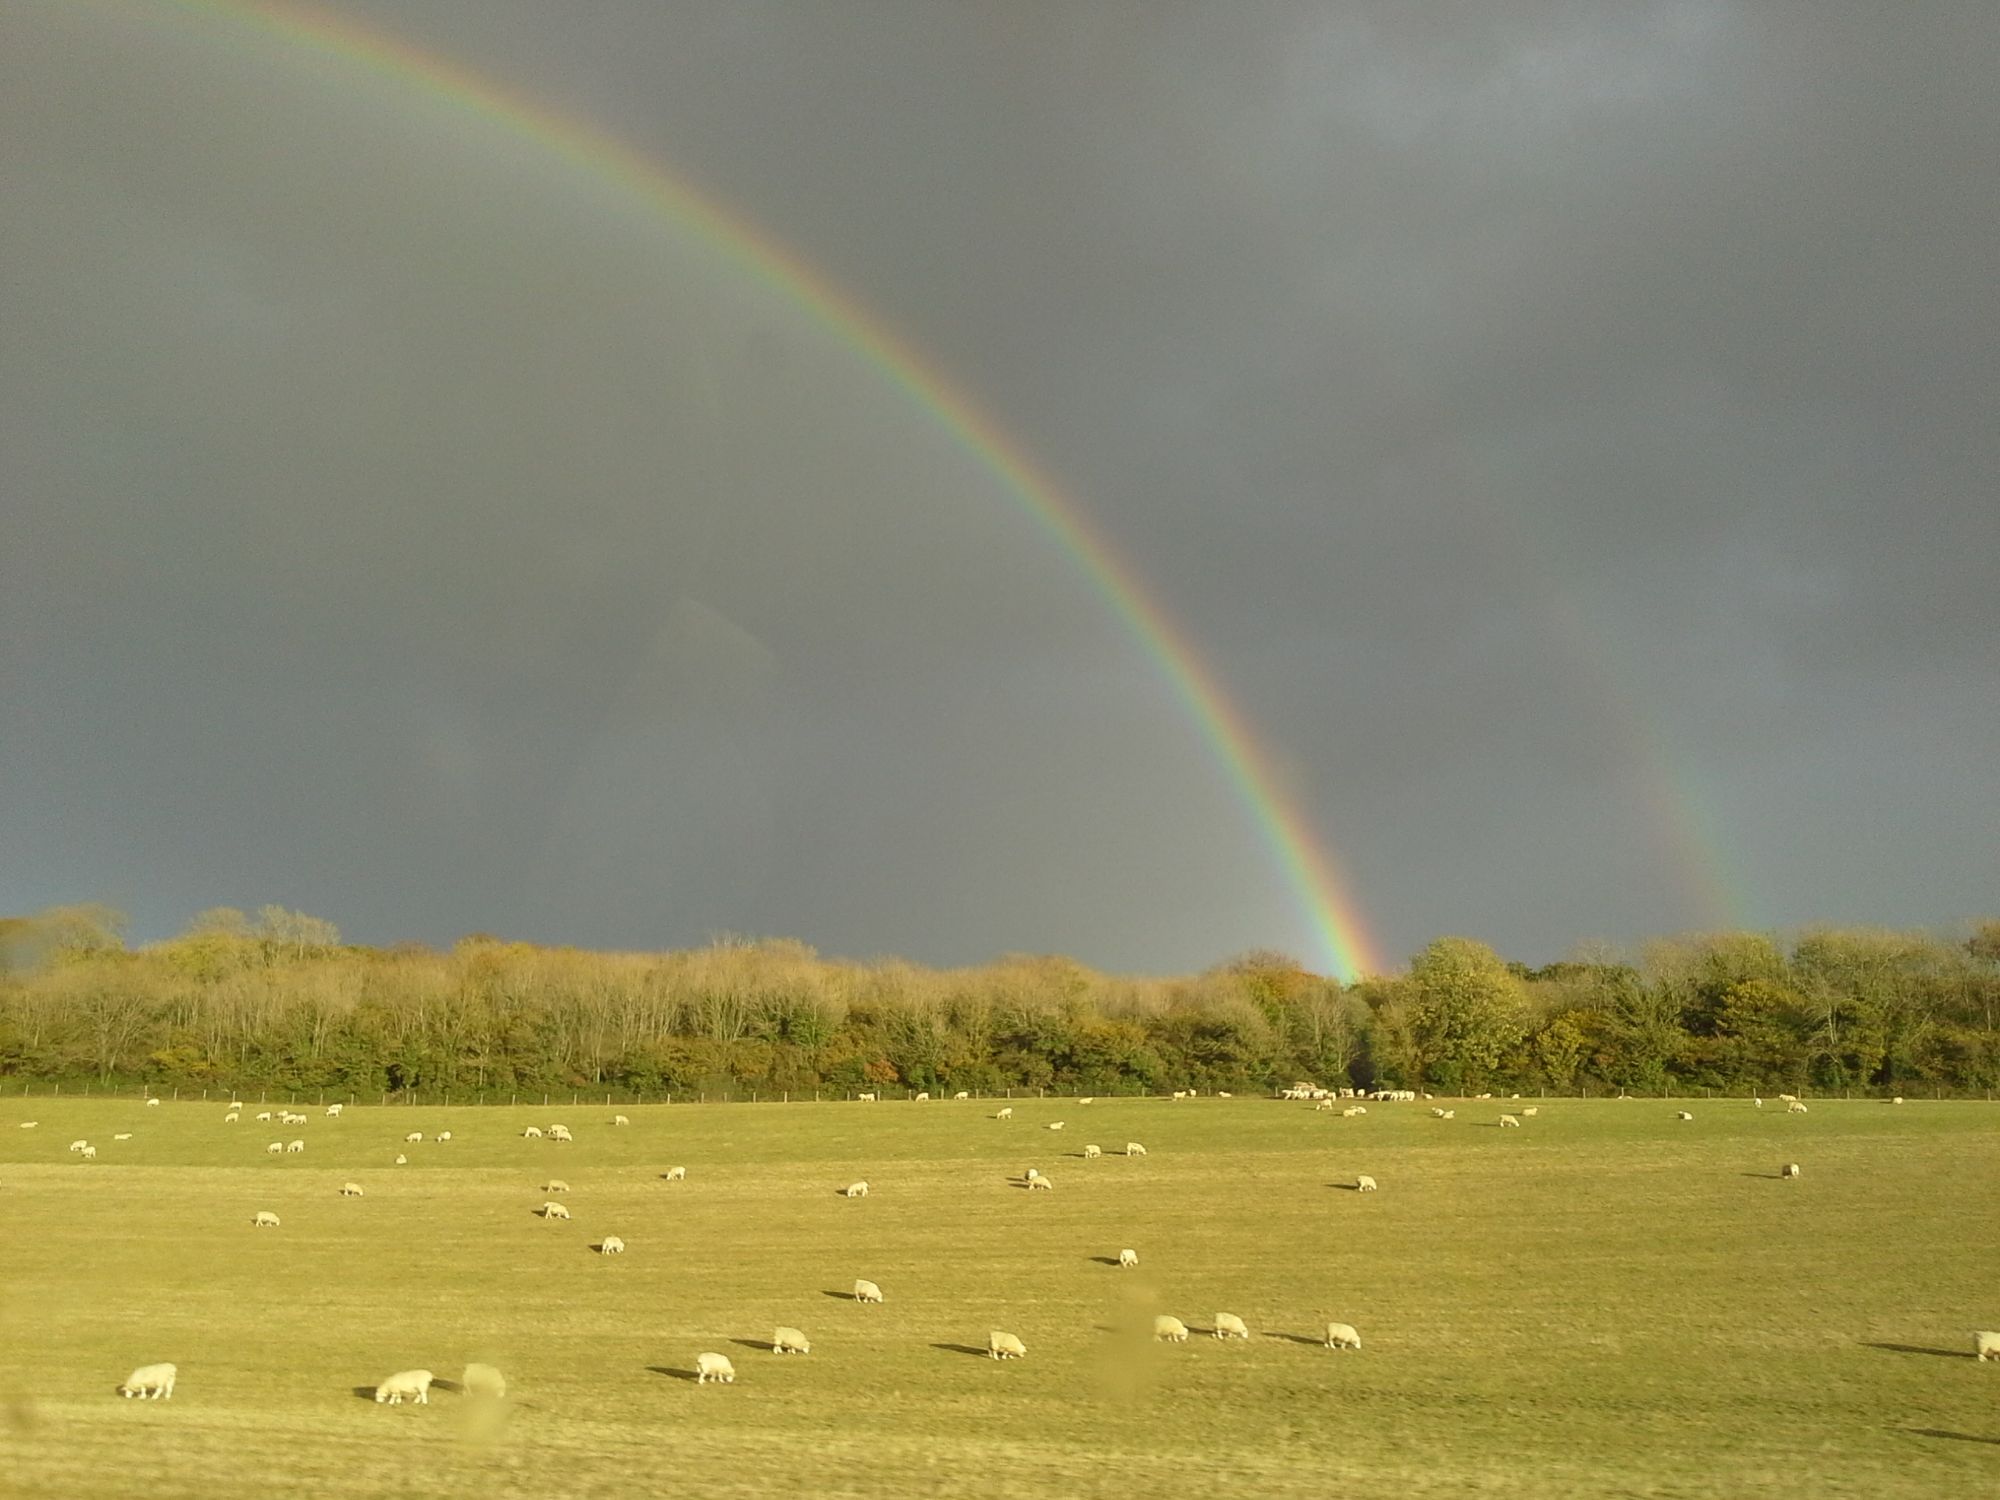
<point x="1569" y="430"/>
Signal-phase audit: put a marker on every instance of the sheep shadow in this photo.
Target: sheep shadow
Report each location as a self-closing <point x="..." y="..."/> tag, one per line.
<point x="1764" y="1176"/>
<point x="452" y="1386"/>
<point x="1018" y="1182"/>
<point x="960" y="1349"/>
<point x="1921" y="1349"/>
<point x="363" y="1392"/>
<point x="1104" y="1260"/>
<point x="1345" y="1187"/>
<point x="841" y="1296"/>
<point x="1297" y="1338"/>
<point x="1959" y="1437"/>
<point x="673" y="1374"/>
<point x="762" y="1346"/>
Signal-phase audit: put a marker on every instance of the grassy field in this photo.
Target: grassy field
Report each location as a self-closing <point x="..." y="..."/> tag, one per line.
<point x="1608" y="1302"/>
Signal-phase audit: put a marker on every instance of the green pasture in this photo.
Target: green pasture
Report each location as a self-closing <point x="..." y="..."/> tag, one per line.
<point x="1606" y="1302"/>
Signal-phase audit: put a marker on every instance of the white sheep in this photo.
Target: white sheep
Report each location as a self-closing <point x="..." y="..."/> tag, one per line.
<point x="276" y="1148"/>
<point x="962" y="1094"/>
<point x="620" y="1120"/>
<point x="333" y="1111"/>
<point x="1364" y="1184"/>
<point x="264" y="1116"/>
<point x="1681" y="1114"/>
<point x="1040" y="1184"/>
<point x="78" y="1145"/>
<point x="1091" y="1100"/>
<point x="709" y="1367"/>
<point x="1224" y="1094"/>
<point x="676" y="1174"/>
<point x="865" y="1098"/>
<point x="921" y="1099"/>
<point x="89" y="1153"/>
<point x="414" y="1385"/>
<point x="483" y="1380"/>
<point x="1342" y="1336"/>
<point x="1757" y="1100"/>
<point x="151" y="1382"/>
<point x="554" y="1210"/>
<point x="264" y="1219"/>
<point x="1796" y="1107"/>
<point x="350" y="1190"/>
<point x="152" y="1104"/>
<point x="560" y="1133"/>
<point x="1353" y="1110"/>
<point x="1133" y="1148"/>
<point x="1031" y="1174"/>
<point x="789" y="1341"/>
<point x="1790" y="1169"/>
<point x="1004" y="1346"/>
<point x="29" y="1124"/>
<point x="867" y="1291"/>
<point x="1091" y="1153"/>
<point x="532" y="1133"/>
<point x="1170" y="1328"/>
<point x="1897" y="1100"/>
<point x="1006" y="1113"/>
<point x="1437" y="1111"/>
<point x="1509" y="1122"/>
<point x="402" y="1160"/>
<point x="1127" y="1259"/>
<point x="294" y="1147"/>
<point x="123" y="1135"/>
<point x="1986" y="1344"/>
<point x="1320" y="1104"/>
<point x="413" y="1137"/>
<point x="555" y="1185"/>
<point x="855" y="1190"/>
<point x="611" y="1245"/>
<point x="232" y="1117"/>
<point x="1180" y="1093"/>
<point x="1054" y="1125"/>
<point x="1451" y="1114"/>
<point x="1788" y="1098"/>
<point x="1229" y="1326"/>
<point x="444" y="1135"/>
<point x="1532" y="1109"/>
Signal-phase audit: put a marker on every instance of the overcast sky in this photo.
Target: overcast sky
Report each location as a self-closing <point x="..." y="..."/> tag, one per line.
<point x="1571" y="433"/>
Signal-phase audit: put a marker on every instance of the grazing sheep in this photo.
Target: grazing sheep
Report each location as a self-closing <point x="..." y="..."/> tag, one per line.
<point x="1532" y="1109"/>
<point x="555" y="1185"/>
<point x="962" y="1094"/>
<point x="444" y="1135"/>
<point x="553" y="1210"/>
<point x="921" y="1099"/>
<point x="1004" y="1346"/>
<point x="1757" y="1100"/>
<point x="413" y="1136"/>
<point x="350" y="1190"/>
<point x="1986" y="1345"/>
<point x="611" y="1245"/>
<point x="78" y="1145"/>
<point x="709" y="1367"/>
<point x="1091" y="1100"/>
<point x="789" y="1341"/>
<point x="1170" y="1328"/>
<point x="1681" y="1114"/>
<point x="333" y="1111"/>
<point x="1180" y="1093"/>
<point x="1788" y="1098"/>
<point x="1509" y="1122"/>
<point x="532" y="1133"/>
<point x="1127" y="1259"/>
<point x="855" y="1190"/>
<point x="560" y="1133"/>
<point x="402" y="1160"/>
<point x="1224" y="1094"/>
<point x="231" y="1118"/>
<point x="265" y="1115"/>
<point x="413" y="1384"/>
<point x="1796" y="1107"/>
<point x="1054" y="1125"/>
<point x="1897" y="1100"/>
<point x="1004" y="1114"/>
<point x="676" y="1174"/>
<point x="1364" y="1184"/>
<point x="483" y="1380"/>
<point x="1342" y="1336"/>
<point x="620" y="1120"/>
<point x="276" y="1148"/>
<point x="1133" y="1148"/>
<point x="150" y="1381"/>
<point x="867" y="1291"/>
<point x="152" y="1104"/>
<point x="1229" y="1326"/>
<point x="294" y="1147"/>
<point x="1040" y="1184"/>
<point x="89" y="1153"/>
<point x="264" y="1219"/>
<point x="1352" y="1110"/>
<point x="1790" y="1169"/>
<point x="1031" y="1174"/>
<point x="1091" y="1153"/>
<point x="1437" y="1111"/>
<point x="1321" y="1104"/>
<point x="29" y="1124"/>
<point x="865" y="1098"/>
<point x="235" y="1103"/>
<point x="123" y="1135"/>
<point x="1451" y="1114"/>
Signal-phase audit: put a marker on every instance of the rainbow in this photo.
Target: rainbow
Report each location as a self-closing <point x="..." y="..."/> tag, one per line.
<point x="1312" y="874"/>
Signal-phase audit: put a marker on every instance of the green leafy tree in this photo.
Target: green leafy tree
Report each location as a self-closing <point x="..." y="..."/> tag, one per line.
<point x="1467" y="1010"/>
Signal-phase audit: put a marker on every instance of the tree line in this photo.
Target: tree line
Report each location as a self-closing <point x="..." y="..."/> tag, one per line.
<point x="279" y="1001"/>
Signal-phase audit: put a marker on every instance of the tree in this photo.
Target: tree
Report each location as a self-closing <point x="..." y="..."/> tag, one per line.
<point x="1467" y="1010"/>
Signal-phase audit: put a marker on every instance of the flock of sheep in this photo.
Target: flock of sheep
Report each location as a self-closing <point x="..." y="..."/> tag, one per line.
<point x="481" y="1381"/>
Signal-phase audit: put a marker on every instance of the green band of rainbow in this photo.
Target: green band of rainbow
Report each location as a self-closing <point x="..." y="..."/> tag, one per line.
<point x="1309" y="869"/>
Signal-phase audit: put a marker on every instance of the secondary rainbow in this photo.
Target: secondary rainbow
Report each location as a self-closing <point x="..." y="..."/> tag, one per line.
<point x="1315" y="878"/>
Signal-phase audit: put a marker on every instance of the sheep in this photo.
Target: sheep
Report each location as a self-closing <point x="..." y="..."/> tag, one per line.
<point x="560" y="1133"/>
<point x="921" y="1099"/>
<point x="1224" y="1094"/>
<point x="1364" y="1184"/>
<point x="1342" y="1336"/>
<point x="1040" y="1184"/>
<point x="1004" y="1346"/>
<point x="855" y="1190"/>
<point x="264" y="1219"/>
<point x="232" y="1117"/>
<point x="1986" y="1345"/>
<point x="89" y="1153"/>
<point x="413" y="1137"/>
<point x="676" y="1174"/>
<point x="1532" y="1110"/>
<point x="1091" y="1153"/>
<point x="152" y="1104"/>
<point x="333" y="1111"/>
<point x="1788" y="1098"/>
<point x="414" y="1384"/>
<point x="293" y="1148"/>
<point x="555" y="1185"/>
<point x="611" y="1245"/>
<point x="1170" y="1328"/>
<point x="789" y="1341"/>
<point x="123" y="1135"/>
<point x="276" y="1148"/>
<point x="1352" y="1110"/>
<point x="444" y="1135"/>
<point x="150" y="1381"/>
<point x="1054" y="1125"/>
<point x="1127" y="1259"/>
<point x="864" y="1098"/>
<point x="1681" y="1114"/>
<point x="532" y="1133"/>
<point x="1790" y="1169"/>
<point x="291" y="1119"/>
<point x="1091" y="1100"/>
<point x="620" y="1120"/>
<point x="1451" y="1114"/>
<point x="1180" y="1093"/>
<point x="1757" y="1101"/>
<point x="1897" y="1100"/>
<point x="1326" y="1104"/>
<point x="29" y="1124"/>
<point x="402" y="1160"/>
<point x="1133" y="1148"/>
<point x="350" y="1190"/>
<point x="867" y="1291"/>
<point x="78" y="1145"/>
<point x="962" y="1094"/>
<point x="483" y="1380"/>
<point x="1510" y="1122"/>
<point x="265" y="1116"/>
<point x="1030" y="1175"/>
<point x="1796" y="1107"/>
<point x="1004" y="1114"/>
<point x="1437" y="1111"/>
<point x="554" y="1210"/>
<point x="709" y="1367"/>
<point x="1229" y="1326"/>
